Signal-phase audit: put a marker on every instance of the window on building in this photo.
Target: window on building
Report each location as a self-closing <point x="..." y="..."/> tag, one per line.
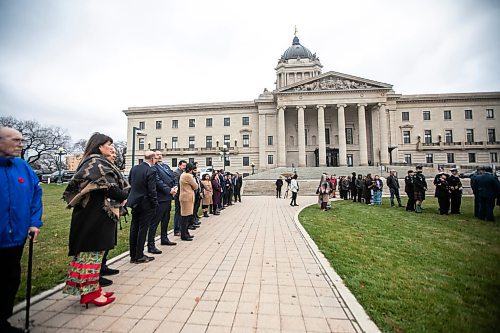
<point x="246" y="161"/>
<point x="208" y="161"/>
<point x="406" y="137"/>
<point x="348" y="136"/>
<point x="208" y="122"/>
<point x="427" y="136"/>
<point x="429" y="158"/>
<point x="405" y="116"/>
<point x="245" y="121"/>
<point x="327" y="136"/>
<point x="191" y="142"/>
<point x="175" y="123"/>
<point x="208" y="141"/>
<point x="450" y="157"/>
<point x="493" y="157"/>
<point x="174" y="162"/>
<point x="142" y="125"/>
<point x="192" y="123"/>
<point x="158" y="124"/>
<point x="270" y="159"/>
<point x="141" y="143"/>
<point x="246" y="140"/>
<point x="227" y="121"/>
<point x="427" y="115"/>
<point x="447" y="114"/>
<point x="191" y="160"/>
<point x="350" y="161"/>
<point x="174" y="143"/>
<point x="158" y="143"/>
<point x="448" y="136"/>
<point x="270" y="140"/>
<point x="407" y="158"/>
<point x="468" y="114"/>
<point x="472" y="157"/>
<point x="227" y="140"/>
<point x="490" y="114"/>
<point x="491" y="135"/>
<point x="228" y="161"/>
<point x="141" y="160"/>
<point x="469" y="135"/>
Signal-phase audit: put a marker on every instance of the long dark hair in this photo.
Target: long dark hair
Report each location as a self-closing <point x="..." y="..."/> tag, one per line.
<point x="96" y="140"/>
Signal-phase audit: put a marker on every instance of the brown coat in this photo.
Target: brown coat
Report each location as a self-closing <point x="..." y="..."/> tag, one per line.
<point x="207" y="192"/>
<point x="187" y="186"/>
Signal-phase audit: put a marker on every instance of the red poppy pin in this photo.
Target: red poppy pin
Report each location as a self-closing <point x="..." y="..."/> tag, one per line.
<point x="20" y="179"/>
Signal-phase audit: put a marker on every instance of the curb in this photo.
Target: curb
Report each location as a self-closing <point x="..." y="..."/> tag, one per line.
<point x="360" y="315"/>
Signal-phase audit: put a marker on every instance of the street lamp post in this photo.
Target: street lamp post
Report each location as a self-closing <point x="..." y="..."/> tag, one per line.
<point x="60" y="152"/>
<point x="224" y="151"/>
<point x="253" y="168"/>
<point x="134" y="134"/>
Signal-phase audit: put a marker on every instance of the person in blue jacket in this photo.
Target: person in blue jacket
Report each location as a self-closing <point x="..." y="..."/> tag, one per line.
<point x="20" y="214"/>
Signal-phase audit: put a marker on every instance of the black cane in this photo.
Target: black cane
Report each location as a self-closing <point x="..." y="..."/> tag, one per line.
<point x="28" y="283"/>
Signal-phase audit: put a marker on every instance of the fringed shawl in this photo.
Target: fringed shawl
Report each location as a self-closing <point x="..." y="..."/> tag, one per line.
<point x="96" y="173"/>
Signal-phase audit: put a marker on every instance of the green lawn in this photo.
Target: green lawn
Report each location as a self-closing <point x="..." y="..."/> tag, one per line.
<point x="50" y="262"/>
<point x="414" y="272"/>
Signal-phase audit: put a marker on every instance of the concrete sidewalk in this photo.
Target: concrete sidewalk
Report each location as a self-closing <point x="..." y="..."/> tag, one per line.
<point x="250" y="269"/>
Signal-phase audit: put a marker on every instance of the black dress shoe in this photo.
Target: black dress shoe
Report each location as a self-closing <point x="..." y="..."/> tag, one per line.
<point x="144" y="259"/>
<point x="103" y="282"/>
<point x="198" y="222"/>
<point x="155" y="251"/>
<point x="187" y="239"/>
<point x="132" y="260"/>
<point x="193" y="227"/>
<point x="109" y="271"/>
<point x="169" y="243"/>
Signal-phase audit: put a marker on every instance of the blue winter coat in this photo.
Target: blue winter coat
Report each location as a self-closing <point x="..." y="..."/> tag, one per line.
<point x="20" y="201"/>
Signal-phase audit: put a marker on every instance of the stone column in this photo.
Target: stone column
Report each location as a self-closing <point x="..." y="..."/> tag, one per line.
<point x="301" y="135"/>
<point x="281" y="137"/>
<point x="262" y="142"/>
<point x="382" y="117"/>
<point x="342" y="142"/>
<point x="363" y="145"/>
<point x="321" y="135"/>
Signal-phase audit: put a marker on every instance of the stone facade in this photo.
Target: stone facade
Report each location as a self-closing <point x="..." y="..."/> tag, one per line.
<point x="322" y="119"/>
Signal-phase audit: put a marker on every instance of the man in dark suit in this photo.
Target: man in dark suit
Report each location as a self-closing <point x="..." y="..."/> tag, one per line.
<point x="238" y="183"/>
<point x="165" y="190"/>
<point x="177" y="216"/>
<point x="143" y="201"/>
<point x="487" y="189"/>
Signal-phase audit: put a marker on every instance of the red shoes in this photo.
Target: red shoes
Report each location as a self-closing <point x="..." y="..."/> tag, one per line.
<point x="97" y="303"/>
<point x="109" y="294"/>
<point x="92" y="298"/>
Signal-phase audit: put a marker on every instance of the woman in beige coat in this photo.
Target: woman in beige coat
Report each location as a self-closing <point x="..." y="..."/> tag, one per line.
<point x="187" y="186"/>
<point x="207" y="194"/>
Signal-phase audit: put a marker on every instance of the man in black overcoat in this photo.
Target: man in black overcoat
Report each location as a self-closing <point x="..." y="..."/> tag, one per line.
<point x="455" y="191"/>
<point x="410" y="205"/>
<point x="238" y="183"/>
<point x="165" y="190"/>
<point x="488" y="189"/>
<point x="143" y="200"/>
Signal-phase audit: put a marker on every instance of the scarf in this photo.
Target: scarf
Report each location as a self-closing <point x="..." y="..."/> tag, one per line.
<point x="96" y="173"/>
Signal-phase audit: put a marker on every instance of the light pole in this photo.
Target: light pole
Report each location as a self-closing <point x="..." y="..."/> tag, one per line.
<point x="253" y="169"/>
<point x="134" y="134"/>
<point x="223" y="152"/>
<point x="60" y="152"/>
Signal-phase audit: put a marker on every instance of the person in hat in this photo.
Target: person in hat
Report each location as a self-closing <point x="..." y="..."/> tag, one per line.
<point x="419" y="188"/>
<point x="488" y="189"/>
<point x="410" y="205"/>
<point x="473" y="185"/>
<point x="455" y="191"/>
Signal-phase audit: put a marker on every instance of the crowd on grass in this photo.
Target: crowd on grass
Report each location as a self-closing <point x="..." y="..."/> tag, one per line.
<point x="99" y="196"/>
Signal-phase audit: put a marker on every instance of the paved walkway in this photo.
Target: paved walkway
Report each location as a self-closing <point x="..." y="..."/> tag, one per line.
<point x="251" y="269"/>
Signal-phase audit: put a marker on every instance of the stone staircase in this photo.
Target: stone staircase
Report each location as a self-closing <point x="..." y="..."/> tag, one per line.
<point x="263" y="183"/>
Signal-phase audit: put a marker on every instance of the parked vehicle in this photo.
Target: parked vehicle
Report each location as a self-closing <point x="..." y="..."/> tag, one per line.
<point x="467" y="174"/>
<point x="66" y="176"/>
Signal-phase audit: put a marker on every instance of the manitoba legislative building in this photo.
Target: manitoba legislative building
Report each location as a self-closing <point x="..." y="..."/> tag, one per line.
<point x="314" y="118"/>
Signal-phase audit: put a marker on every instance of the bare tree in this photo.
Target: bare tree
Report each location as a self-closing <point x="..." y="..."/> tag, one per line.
<point x="121" y="151"/>
<point x="39" y="140"/>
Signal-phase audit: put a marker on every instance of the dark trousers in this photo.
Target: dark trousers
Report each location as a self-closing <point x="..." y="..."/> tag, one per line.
<point x="162" y="215"/>
<point x="185" y="221"/>
<point x="486" y="207"/>
<point x="476" y="205"/>
<point x="360" y="194"/>
<point x="278" y="192"/>
<point x="138" y="230"/>
<point x="10" y="278"/>
<point x="354" y="194"/>
<point x="237" y="195"/>
<point x="410" y="204"/>
<point x="104" y="259"/>
<point x="444" y="204"/>
<point x="197" y="202"/>
<point x="395" y="193"/>
<point x="294" y="198"/>
<point x="456" y="201"/>
<point x="177" y="215"/>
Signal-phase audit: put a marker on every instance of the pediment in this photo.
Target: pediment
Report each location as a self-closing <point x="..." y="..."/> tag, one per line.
<point x="334" y="81"/>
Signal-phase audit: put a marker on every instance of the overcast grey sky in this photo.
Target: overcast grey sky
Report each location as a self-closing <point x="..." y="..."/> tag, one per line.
<point x="77" y="64"/>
